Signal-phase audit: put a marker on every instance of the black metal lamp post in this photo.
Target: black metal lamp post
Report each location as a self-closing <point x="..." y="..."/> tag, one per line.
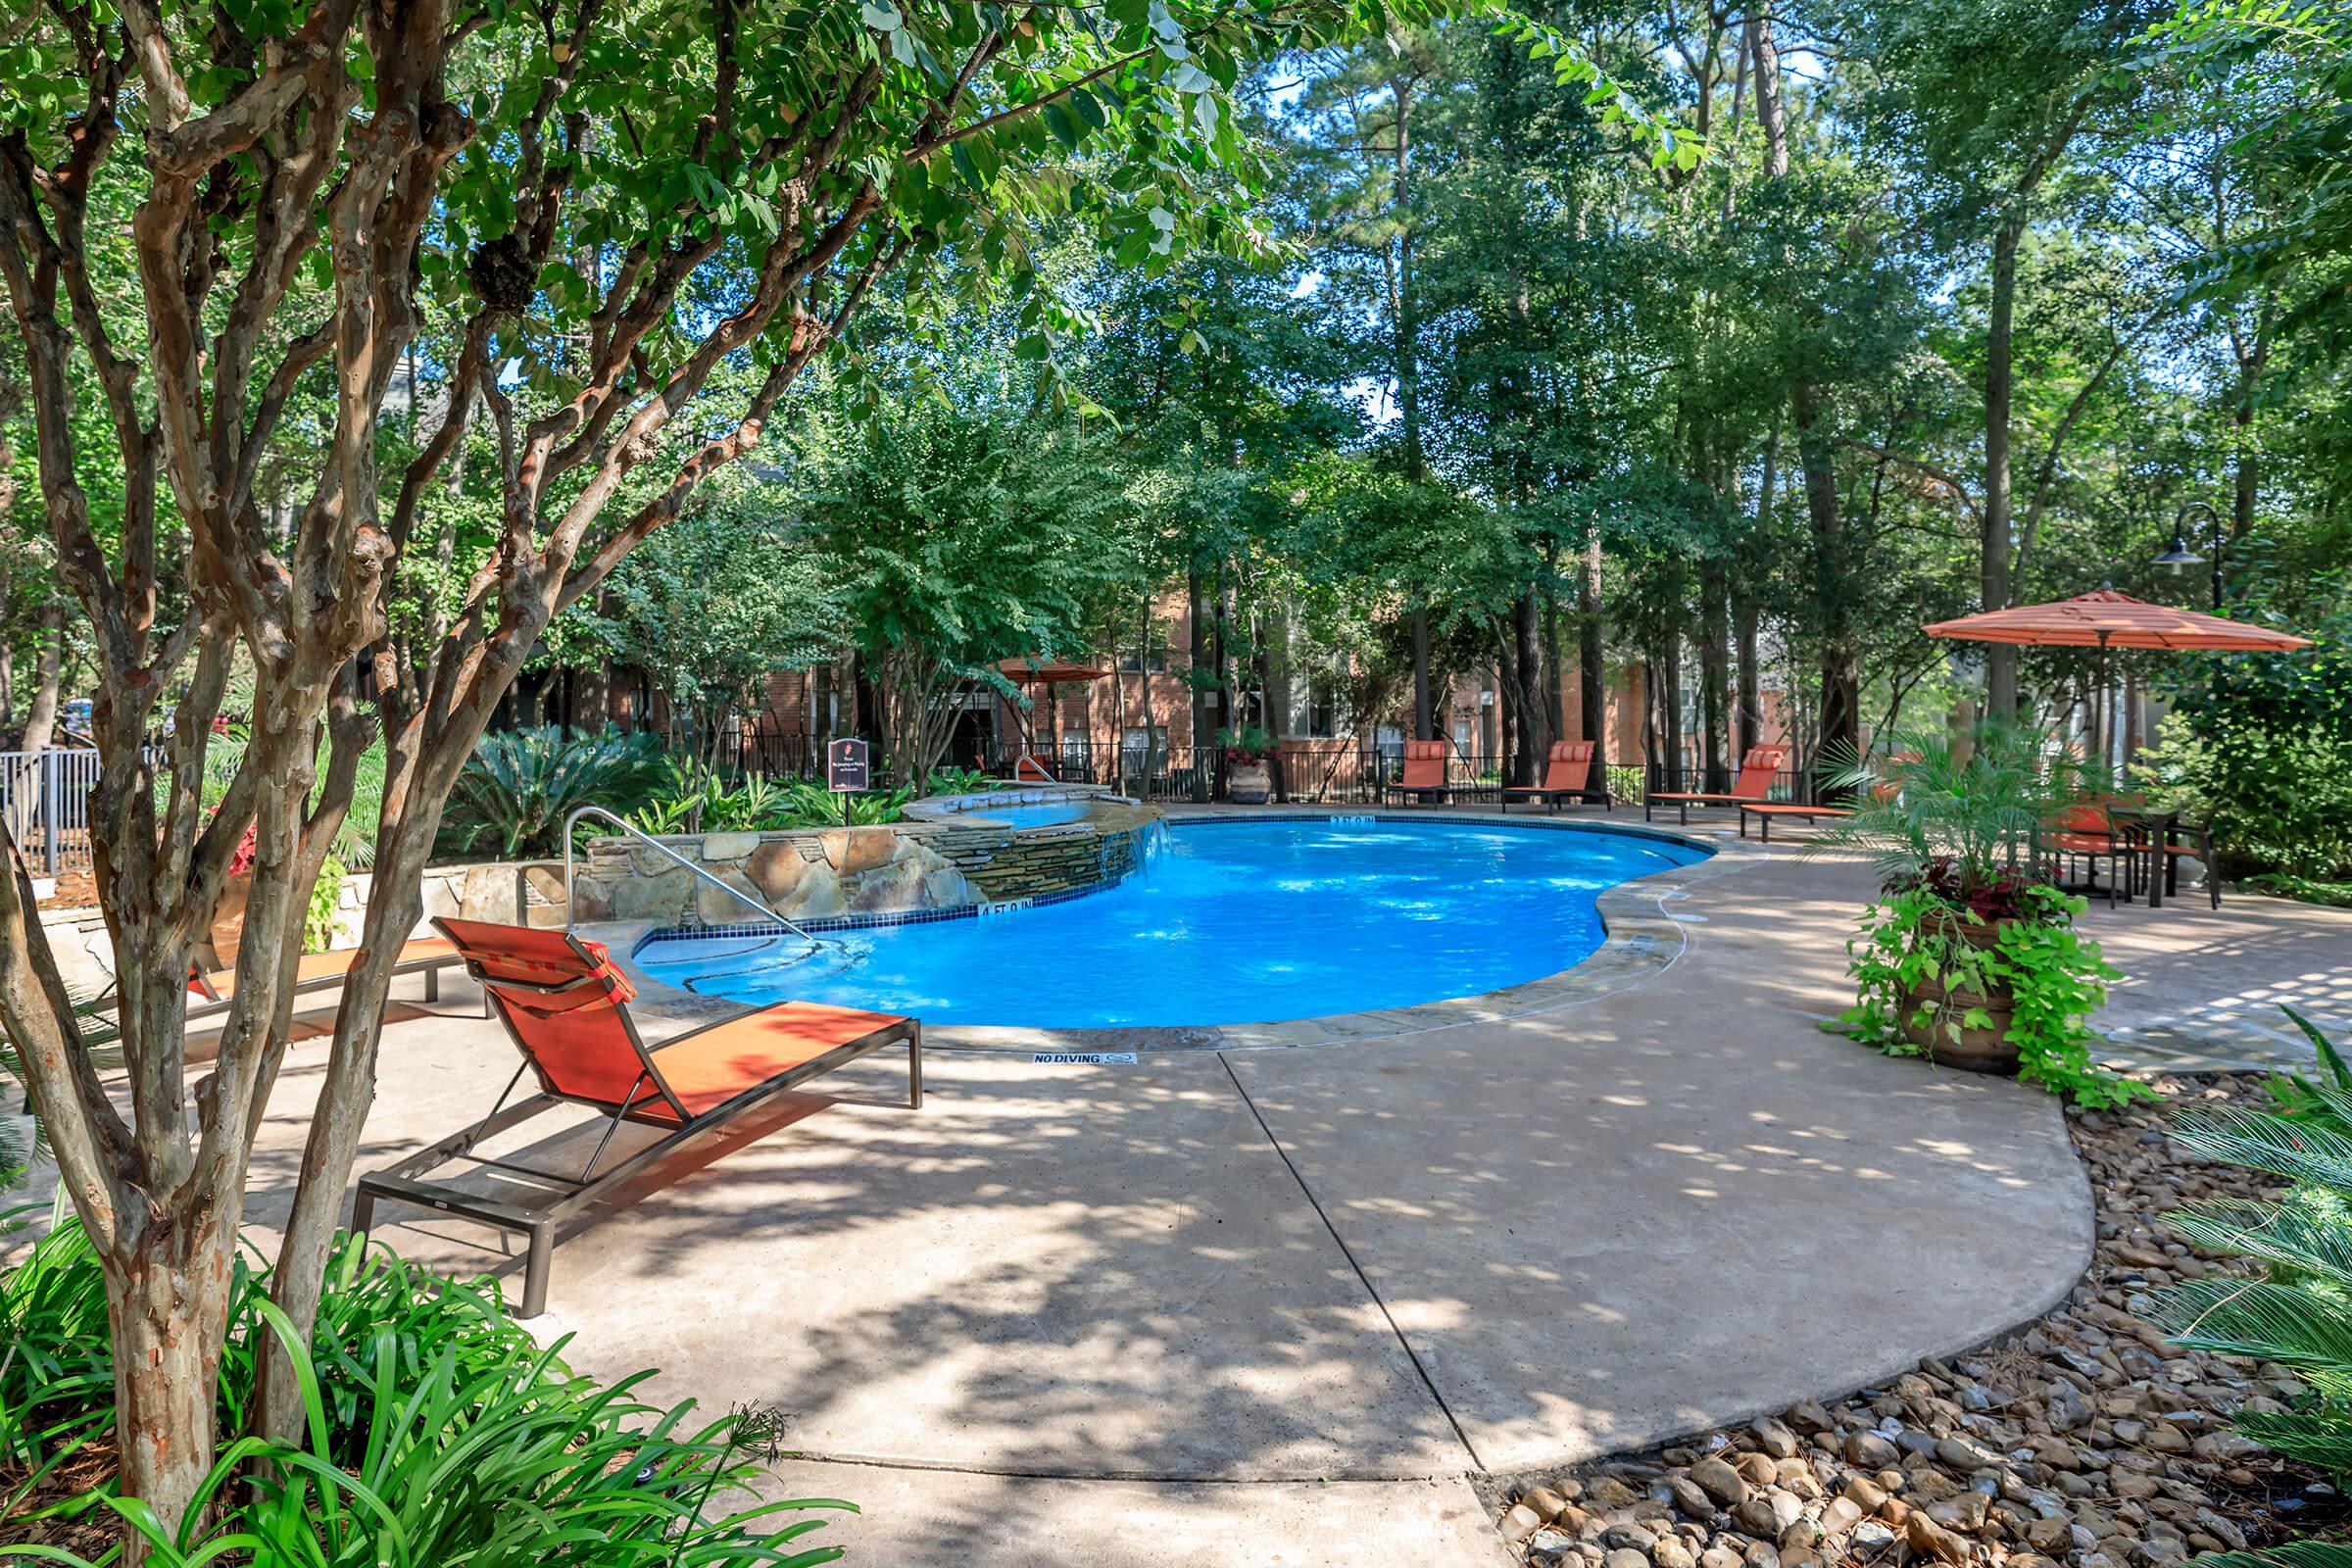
<point x="2178" y="554"/>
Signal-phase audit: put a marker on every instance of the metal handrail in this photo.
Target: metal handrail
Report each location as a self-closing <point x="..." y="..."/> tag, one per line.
<point x="632" y="830"/>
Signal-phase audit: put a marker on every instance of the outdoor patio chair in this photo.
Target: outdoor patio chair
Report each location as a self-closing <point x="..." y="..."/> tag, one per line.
<point x="325" y="972"/>
<point x="1885" y="789"/>
<point x="2158" y="853"/>
<point x="1756" y="770"/>
<point x="1567" y="775"/>
<point x="1424" y="772"/>
<point x="2085" y="832"/>
<point x="564" y="1006"/>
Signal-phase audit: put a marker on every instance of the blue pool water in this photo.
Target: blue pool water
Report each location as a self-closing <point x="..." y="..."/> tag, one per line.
<point x="1044" y="815"/>
<point x="1235" y="922"/>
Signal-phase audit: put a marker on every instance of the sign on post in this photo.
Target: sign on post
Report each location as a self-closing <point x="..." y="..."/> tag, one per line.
<point x="846" y="765"/>
<point x="846" y="771"/>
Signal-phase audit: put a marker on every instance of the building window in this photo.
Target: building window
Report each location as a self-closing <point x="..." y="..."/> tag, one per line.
<point x="1153" y="656"/>
<point x="1322" y="708"/>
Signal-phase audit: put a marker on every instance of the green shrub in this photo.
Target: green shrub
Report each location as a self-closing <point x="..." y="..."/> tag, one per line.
<point x="956" y="781"/>
<point x="437" y="1431"/>
<point x="2260" y="745"/>
<point x="702" y="802"/>
<point x="519" y="785"/>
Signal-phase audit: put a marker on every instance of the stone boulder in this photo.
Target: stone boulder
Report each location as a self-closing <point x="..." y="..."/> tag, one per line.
<point x="851" y="850"/>
<point x="776" y="869"/>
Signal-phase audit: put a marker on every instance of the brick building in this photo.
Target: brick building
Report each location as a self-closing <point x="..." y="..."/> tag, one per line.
<point x="1144" y="691"/>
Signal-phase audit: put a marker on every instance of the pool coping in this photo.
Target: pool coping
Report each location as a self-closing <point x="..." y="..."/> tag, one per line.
<point x="1641" y="940"/>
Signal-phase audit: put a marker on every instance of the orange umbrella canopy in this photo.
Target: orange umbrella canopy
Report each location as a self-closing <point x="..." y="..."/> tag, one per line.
<point x="1047" y="672"/>
<point x="2109" y="620"/>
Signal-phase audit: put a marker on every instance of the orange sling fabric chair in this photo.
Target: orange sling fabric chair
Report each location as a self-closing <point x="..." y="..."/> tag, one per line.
<point x="1885" y="789"/>
<point x="1424" y="770"/>
<point x="1756" y="770"/>
<point x="1567" y="775"/>
<point x="564" y="1007"/>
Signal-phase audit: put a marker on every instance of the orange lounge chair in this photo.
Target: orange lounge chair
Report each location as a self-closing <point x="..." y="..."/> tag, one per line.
<point x="563" y="1003"/>
<point x="1885" y="789"/>
<point x="1567" y="774"/>
<point x="1027" y="769"/>
<point x="1424" y="770"/>
<point x="1765" y="810"/>
<point x="1756" y="770"/>
<point x="323" y="971"/>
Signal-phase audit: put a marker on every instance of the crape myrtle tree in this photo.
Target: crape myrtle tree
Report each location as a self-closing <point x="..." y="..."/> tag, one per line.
<point x="599" y="204"/>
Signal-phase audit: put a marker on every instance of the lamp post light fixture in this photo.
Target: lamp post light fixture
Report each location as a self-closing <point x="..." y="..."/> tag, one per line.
<point x="2177" y="555"/>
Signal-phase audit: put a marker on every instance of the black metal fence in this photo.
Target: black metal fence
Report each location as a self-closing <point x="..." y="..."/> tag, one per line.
<point x="1305" y="774"/>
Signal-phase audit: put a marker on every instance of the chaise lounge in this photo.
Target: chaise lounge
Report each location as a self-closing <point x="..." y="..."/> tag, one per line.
<point x="1756" y="770"/>
<point x="564" y="1007"/>
<point x="1567" y="775"/>
<point x="323" y="971"/>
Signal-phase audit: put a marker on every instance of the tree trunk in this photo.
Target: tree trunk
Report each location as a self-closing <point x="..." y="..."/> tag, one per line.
<point x="1840" y="720"/>
<point x="1144" y="663"/>
<point x="41" y="717"/>
<point x="1670" y="705"/>
<point x="1422" y="713"/>
<point x="1591" y="672"/>
<point x="1200" y="674"/>
<point x="2244" y="489"/>
<point x="2000" y="658"/>
<point x="1555" y="673"/>
<point x="1532" y="704"/>
<point x="1745" y="611"/>
<point x="1714" y="659"/>
<point x="168" y="1315"/>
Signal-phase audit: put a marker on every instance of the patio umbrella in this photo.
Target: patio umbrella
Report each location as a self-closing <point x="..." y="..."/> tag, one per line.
<point x="2106" y="620"/>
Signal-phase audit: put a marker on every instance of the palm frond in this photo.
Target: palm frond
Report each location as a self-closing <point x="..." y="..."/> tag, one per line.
<point x="2265" y="1141"/>
<point x="2294" y="1554"/>
<point x="2320" y="1437"/>
<point x="2339" y="1076"/>
<point x="2288" y="1235"/>
<point x="2266" y="1319"/>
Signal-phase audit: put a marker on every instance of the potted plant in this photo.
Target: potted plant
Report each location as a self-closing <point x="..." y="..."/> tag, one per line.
<point x="1970" y="954"/>
<point x="222" y="933"/>
<point x="1248" y="781"/>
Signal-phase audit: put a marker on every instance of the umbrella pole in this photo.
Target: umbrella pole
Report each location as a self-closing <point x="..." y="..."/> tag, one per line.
<point x="2104" y="714"/>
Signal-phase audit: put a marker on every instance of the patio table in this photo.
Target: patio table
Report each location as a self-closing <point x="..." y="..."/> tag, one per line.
<point x="2148" y="829"/>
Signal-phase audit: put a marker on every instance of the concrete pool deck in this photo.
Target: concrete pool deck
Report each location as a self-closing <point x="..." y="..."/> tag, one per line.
<point x="1278" y="1306"/>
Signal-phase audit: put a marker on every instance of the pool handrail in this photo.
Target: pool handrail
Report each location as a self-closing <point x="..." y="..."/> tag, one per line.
<point x="766" y="915"/>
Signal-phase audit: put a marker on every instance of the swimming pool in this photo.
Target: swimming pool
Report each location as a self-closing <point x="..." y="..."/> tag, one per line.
<point x="1234" y="923"/>
<point x="1045" y="814"/>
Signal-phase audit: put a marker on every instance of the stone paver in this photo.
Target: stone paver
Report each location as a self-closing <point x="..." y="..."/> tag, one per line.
<point x="1670" y="1208"/>
<point x="2201" y="987"/>
<point x="1211" y="1307"/>
<point x="933" y="1519"/>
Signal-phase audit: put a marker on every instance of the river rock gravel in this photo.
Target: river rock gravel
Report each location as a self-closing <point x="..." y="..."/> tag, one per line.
<point x="2086" y="1439"/>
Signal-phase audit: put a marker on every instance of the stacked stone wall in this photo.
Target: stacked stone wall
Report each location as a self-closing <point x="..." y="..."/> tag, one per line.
<point x="827" y="873"/>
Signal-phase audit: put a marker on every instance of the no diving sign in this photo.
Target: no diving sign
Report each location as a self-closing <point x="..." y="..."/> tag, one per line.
<point x="1084" y="1058"/>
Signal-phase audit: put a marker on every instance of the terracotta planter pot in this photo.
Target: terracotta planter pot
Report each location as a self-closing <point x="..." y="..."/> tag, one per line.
<point x="227" y="928"/>
<point x="1249" y="783"/>
<point x="1978" y="1048"/>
